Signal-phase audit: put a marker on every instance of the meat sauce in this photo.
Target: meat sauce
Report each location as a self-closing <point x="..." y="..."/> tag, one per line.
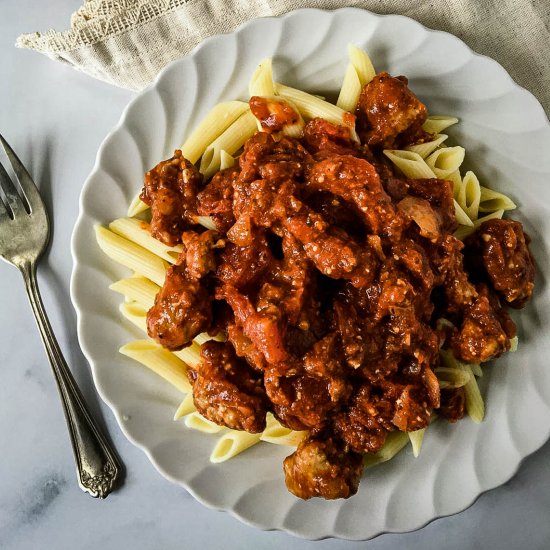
<point x="330" y="272"/>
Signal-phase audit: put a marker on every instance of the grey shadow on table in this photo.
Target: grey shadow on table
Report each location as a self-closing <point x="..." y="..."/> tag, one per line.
<point x="37" y="160"/>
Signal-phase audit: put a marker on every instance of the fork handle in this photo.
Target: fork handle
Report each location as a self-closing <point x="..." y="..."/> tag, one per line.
<point x="98" y="467"/>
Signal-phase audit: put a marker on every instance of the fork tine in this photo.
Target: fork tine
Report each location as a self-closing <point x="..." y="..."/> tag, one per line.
<point x="14" y="201"/>
<point x="27" y="184"/>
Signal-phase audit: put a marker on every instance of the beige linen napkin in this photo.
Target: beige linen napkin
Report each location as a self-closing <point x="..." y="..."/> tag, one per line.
<point x="127" y="42"/>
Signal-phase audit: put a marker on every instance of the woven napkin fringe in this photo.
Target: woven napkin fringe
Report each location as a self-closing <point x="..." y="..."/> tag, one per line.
<point x="127" y="42"/>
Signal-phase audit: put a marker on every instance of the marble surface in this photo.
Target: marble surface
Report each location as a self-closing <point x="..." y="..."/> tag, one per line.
<point x="55" y="118"/>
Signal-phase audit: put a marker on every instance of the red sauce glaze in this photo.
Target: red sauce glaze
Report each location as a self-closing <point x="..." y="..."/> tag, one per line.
<point x="332" y="272"/>
<point x="273" y="113"/>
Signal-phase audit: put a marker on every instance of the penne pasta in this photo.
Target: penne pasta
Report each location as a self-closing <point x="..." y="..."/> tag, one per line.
<point x="217" y="121"/>
<point x="230" y="141"/>
<point x="160" y="361"/>
<point x="140" y="289"/>
<point x="474" y="402"/>
<point x="476" y="369"/>
<point x="278" y="434"/>
<point x="187" y="406"/>
<point x="450" y="378"/>
<point x="196" y="421"/>
<point x="137" y="206"/>
<point x="514" y="343"/>
<point x="359" y="73"/>
<point x="311" y="106"/>
<point x="395" y="442"/>
<point x="135" y="314"/>
<point x="463" y="232"/>
<point x="491" y="201"/>
<point x="425" y="149"/>
<point x="469" y="194"/>
<point x="362" y="64"/>
<point x="456" y="178"/>
<point x="437" y="123"/>
<point x="261" y="83"/>
<point x="416" y="438"/>
<point x="232" y="443"/>
<point x="131" y="255"/>
<point x="226" y="161"/>
<point x="139" y="232"/>
<point x="350" y="90"/>
<point x="446" y="160"/>
<point x="461" y="217"/>
<point x="207" y="221"/>
<point x="191" y="355"/>
<point x="411" y="164"/>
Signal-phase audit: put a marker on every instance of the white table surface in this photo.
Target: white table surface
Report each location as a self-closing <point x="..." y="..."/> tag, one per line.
<point x="55" y="118"/>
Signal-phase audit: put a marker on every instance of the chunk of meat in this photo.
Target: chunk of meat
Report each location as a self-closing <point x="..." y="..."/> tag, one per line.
<point x="300" y="401"/>
<point x="355" y="180"/>
<point x="264" y="329"/>
<point x="170" y="189"/>
<point x="450" y="274"/>
<point x="226" y="391"/>
<point x="439" y="193"/>
<point x="183" y="306"/>
<point x="265" y="157"/>
<point x="481" y="336"/>
<point x="181" y="311"/>
<point x="420" y="211"/>
<point x="216" y="199"/>
<point x="453" y="404"/>
<point x="412" y="410"/>
<point x="242" y="266"/>
<point x="198" y="254"/>
<point x="274" y="113"/>
<point x="323" y="138"/>
<point x="323" y="468"/>
<point x="499" y="250"/>
<point x="387" y="109"/>
<point x="365" y="423"/>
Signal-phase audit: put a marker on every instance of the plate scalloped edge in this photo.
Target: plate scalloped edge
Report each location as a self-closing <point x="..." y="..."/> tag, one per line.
<point x="395" y="484"/>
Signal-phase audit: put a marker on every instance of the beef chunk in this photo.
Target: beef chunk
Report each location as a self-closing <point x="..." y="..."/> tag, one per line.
<point x="227" y="391"/>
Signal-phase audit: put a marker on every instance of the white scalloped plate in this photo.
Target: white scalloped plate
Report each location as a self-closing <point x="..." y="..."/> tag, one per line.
<point x="507" y="139"/>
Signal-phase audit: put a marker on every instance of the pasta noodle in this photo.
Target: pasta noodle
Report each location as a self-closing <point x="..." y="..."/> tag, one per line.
<point x="140" y="289"/>
<point x="311" y="106"/>
<point x="424" y="149"/>
<point x="416" y="438"/>
<point x="411" y="164"/>
<point x="278" y="434"/>
<point x="350" y="91"/>
<point x="187" y="406"/>
<point x="137" y="206"/>
<point x="139" y="232"/>
<point x="491" y="201"/>
<point x="160" y="361"/>
<point x="463" y="232"/>
<point x="196" y="421"/>
<point x="446" y="160"/>
<point x="469" y="194"/>
<point x="395" y="442"/>
<point x="131" y="255"/>
<point x="359" y="72"/>
<point x="474" y="402"/>
<point x="450" y="378"/>
<point x="261" y="83"/>
<point x="226" y="161"/>
<point x="231" y="444"/>
<point x="217" y="121"/>
<point x="230" y="141"/>
<point x="435" y="124"/>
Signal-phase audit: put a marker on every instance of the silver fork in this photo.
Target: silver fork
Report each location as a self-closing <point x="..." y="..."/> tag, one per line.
<point x="24" y="234"/>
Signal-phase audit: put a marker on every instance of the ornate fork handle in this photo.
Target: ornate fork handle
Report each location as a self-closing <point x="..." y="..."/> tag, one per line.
<point x="98" y="467"/>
